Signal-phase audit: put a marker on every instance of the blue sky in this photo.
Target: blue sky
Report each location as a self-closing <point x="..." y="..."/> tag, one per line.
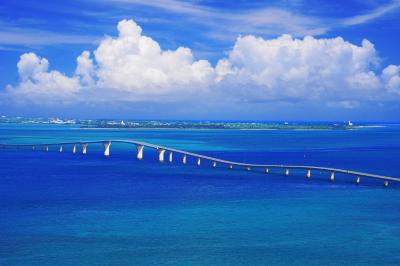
<point x="221" y="76"/>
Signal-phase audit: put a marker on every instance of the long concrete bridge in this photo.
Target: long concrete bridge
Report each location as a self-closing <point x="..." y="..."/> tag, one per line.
<point x="199" y="157"/>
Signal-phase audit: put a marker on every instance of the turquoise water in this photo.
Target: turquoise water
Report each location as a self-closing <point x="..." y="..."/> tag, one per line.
<point x="65" y="209"/>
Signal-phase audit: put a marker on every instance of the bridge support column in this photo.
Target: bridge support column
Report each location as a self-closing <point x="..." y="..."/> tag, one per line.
<point x="286" y="172"/>
<point x="74" y="148"/>
<point x="61" y="148"/>
<point x="84" y="148"/>
<point x="214" y="164"/>
<point x="248" y="168"/>
<point x="170" y="157"/>
<point x="198" y="162"/>
<point x="33" y="148"/>
<point x="47" y="148"/>
<point x="161" y="155"/>
<point x="385" y="183"/>
<point x="308" y="175"/>
<point x="332" y="176"/>
<point x="107" y="148"/>
<point x="230" y="166"/>
<point x="358" y="180"/>
<point x="139" y="149"/>
<point x="184" y="159"/>
<point x="266" y="170"/>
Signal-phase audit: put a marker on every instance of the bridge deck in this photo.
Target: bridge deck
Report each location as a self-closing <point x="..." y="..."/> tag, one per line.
<point x="158" y="147"/>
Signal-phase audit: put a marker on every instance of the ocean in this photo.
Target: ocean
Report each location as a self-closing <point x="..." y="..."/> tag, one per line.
<point x="73" y="209"/>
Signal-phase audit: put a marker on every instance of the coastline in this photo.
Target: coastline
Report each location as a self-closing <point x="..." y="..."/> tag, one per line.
<point x="221" y="129"/>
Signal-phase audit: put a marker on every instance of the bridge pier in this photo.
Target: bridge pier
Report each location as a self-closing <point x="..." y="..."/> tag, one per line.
<point x="266" y="170"/>
<point x="74" y="148"/>
<point x="33" y="148"/>
<point x="358" y="180"/>
<point x="198" y="162"/>
<point x="286" y="172"/>
<point x="139" y="149"/>
<point x="386" y="183"/>
<point x="61" y="148"/>
<point x="161" y="155"/>
<point x="214" y="164"/>
<point x="170" y="157"/>
<point x="47" y="148"/>
<point x="308" y="175"/>
<point x="332" y="176"/>
<point x="107" y="148"/>
<point x="184" y="158"/>
<point x="230" y="166"/>
<point x="84" y="148"/>
<point x="248" y="168"/>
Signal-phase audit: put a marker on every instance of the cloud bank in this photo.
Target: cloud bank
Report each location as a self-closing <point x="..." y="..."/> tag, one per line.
<point x="133" y="68"/>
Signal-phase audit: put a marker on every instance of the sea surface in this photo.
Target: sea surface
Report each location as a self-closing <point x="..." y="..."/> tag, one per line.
<point x="73" y="209"/>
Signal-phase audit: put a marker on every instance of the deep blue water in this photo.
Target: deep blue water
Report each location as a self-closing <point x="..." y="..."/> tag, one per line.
<point x="65" y="209"/>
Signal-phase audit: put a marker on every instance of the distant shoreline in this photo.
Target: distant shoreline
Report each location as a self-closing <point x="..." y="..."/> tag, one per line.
<point x="244" y="129"/>
<point x="105" y="124"/>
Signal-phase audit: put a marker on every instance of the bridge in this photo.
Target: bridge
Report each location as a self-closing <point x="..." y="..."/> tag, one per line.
<point x="214" y="161"/>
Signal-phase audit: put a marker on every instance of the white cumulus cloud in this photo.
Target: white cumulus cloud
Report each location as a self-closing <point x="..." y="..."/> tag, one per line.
<point x="391" y="77"/>
<point x="40" y="86"/>
<point x="132" y="67"/>
<point x="301" y="69"/>
<point x="135" y="64"/>
<point x="85" y="69"/>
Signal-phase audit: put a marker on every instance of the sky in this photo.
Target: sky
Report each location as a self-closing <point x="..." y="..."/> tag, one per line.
<point x="207" y="60"/>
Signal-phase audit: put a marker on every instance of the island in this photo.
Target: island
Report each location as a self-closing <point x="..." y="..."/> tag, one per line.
<point x="182" y="124"/>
